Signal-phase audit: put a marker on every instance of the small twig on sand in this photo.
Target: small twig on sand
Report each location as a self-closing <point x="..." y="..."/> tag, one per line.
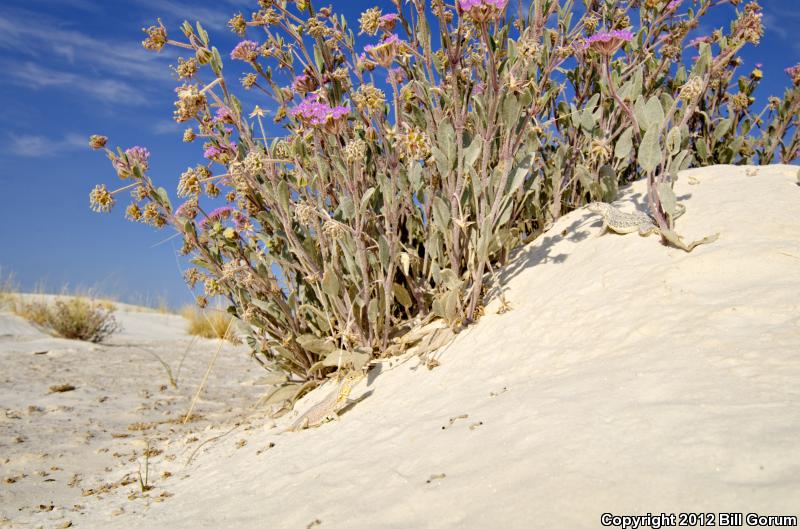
<point x="201" y="445"/>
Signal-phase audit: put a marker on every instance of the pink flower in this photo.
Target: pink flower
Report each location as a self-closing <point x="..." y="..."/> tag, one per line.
<point x="607" y="42"/>
<point x="314" y="112"/>
<point x="794" y="73"/>
<point x="468" y="5"/>
<point x="699" y="40"/>
<point x="134" y="157"/>
<point x="674" y="5"/>
<point x="139" y="156"/>
<point x="247" y="50"/>
<point x="395" y="75"/>
<point x="212" y="152"/>
<point x="304" y="84"/>
<point x="388" y="22"/>
<point x="188" y="209"/>
<point x="384" y="52"/>
<point x="482" y="10"/>
<point x="217" y="214"/>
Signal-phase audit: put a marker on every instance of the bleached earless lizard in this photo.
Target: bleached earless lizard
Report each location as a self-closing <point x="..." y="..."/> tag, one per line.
<point x="623" y="223"/>
<point x="329" y="407"/>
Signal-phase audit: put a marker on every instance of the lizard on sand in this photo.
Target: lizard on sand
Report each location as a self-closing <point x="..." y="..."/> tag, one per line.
<point x="328" y="408"/>
<point x="623" y="222"/>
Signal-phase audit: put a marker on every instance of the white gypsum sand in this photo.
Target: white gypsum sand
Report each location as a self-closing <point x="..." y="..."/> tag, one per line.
<point x="628" y="378"/>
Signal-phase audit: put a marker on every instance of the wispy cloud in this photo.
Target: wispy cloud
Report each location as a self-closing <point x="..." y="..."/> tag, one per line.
<point x="166" y="127"/>
<point x="33" y="145"/>
<point x="216" y="19"/>
<point x="40" y="52"/>
<point x="34" y="76"/>
<point x="44" y="38"/>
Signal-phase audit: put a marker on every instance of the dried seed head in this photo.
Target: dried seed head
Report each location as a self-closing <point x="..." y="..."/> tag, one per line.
<point x="97" y="142"/>
<point x="740" y="102"/>
<point x="156" y="37"/>
<point x="748" y="27"/>
<point x="369" y="99"/>
<point x="355" y="150"/>
<point x="255" y="163"/>
<point x="692" y="89"/>
<point x="190" y="102"/>
<point x="600" y="149"/>
<point x="150" y="212"/>
<point x="133" y="213"/>
<point x="316" y="28"/>
<point x="334" y="230"/>
<point x="238" y="24"/>
<point x="139" y="193"/>
<point x="211" y="190"/>
<point x="248" y="81"/>
<point x="305" y="213"/>
<point x="186" y="68"/>
<point x="590" y="24"/>
<point x="189" y="135"/>
<point x="100" y="199"/>
<point x="192" y="276"/>
<point x="370" y="21"/>
<point x="189" y="183"/>
<point x="414" y="144"/>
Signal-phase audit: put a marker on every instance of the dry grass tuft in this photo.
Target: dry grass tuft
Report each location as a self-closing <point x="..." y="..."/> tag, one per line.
<point x="209" y="323"/>
<point x="76" y="318"/>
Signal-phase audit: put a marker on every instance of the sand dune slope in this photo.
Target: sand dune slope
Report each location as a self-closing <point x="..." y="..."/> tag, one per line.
<point x="628" y="378"/>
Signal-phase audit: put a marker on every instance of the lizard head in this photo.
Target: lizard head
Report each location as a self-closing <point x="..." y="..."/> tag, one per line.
<point x="597" y="207"/>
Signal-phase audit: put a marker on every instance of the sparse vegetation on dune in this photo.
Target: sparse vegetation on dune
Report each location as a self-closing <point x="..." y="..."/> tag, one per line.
<point x="208" y="323"/>
<point x="75" y="317"/>
<point x="406" y="171"/>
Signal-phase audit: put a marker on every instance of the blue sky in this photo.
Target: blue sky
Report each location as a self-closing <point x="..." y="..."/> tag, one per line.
<point x="72" y="68"/>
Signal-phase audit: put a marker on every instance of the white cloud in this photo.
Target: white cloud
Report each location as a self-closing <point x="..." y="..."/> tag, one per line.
<point x="33" y="145"/>
<point x="45" y="37"/>
<point x="104" y="90"/>
<point x="166" y="127"/>
<point x="210" y="18"/>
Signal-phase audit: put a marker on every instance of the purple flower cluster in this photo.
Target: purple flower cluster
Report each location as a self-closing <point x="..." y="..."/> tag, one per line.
<point x="699" y="40"/>
<point x="794" y="73"/>
<point x="395" y="75"/>
<point x="606" y="42"/>
<point x="315" y="112"/>
<point x="187" y="209"/>
<point x="245" y="51"/>
<point x="467" y="5"/>
<point x="387" y="22"/>
<point x="136" y="156"/>
<point x="675" y="4"/>
<point x="212" y="152"/>
<point x="222" y="114"/>
<point x="608" y="36"/>
<point x="219" y="213"/>
<point x="391" y="39"/>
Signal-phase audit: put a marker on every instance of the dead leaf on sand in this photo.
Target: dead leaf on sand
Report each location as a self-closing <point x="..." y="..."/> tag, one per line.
<point x="62" y="388"/>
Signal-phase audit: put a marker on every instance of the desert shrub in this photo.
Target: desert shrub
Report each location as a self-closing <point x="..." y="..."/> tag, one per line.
<point x="209" y="323"/>
<point x="8" y="288"/>
<point x="35" y="311"/>
<point x="397" y="177"/>
<point x="76" y="318"/>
